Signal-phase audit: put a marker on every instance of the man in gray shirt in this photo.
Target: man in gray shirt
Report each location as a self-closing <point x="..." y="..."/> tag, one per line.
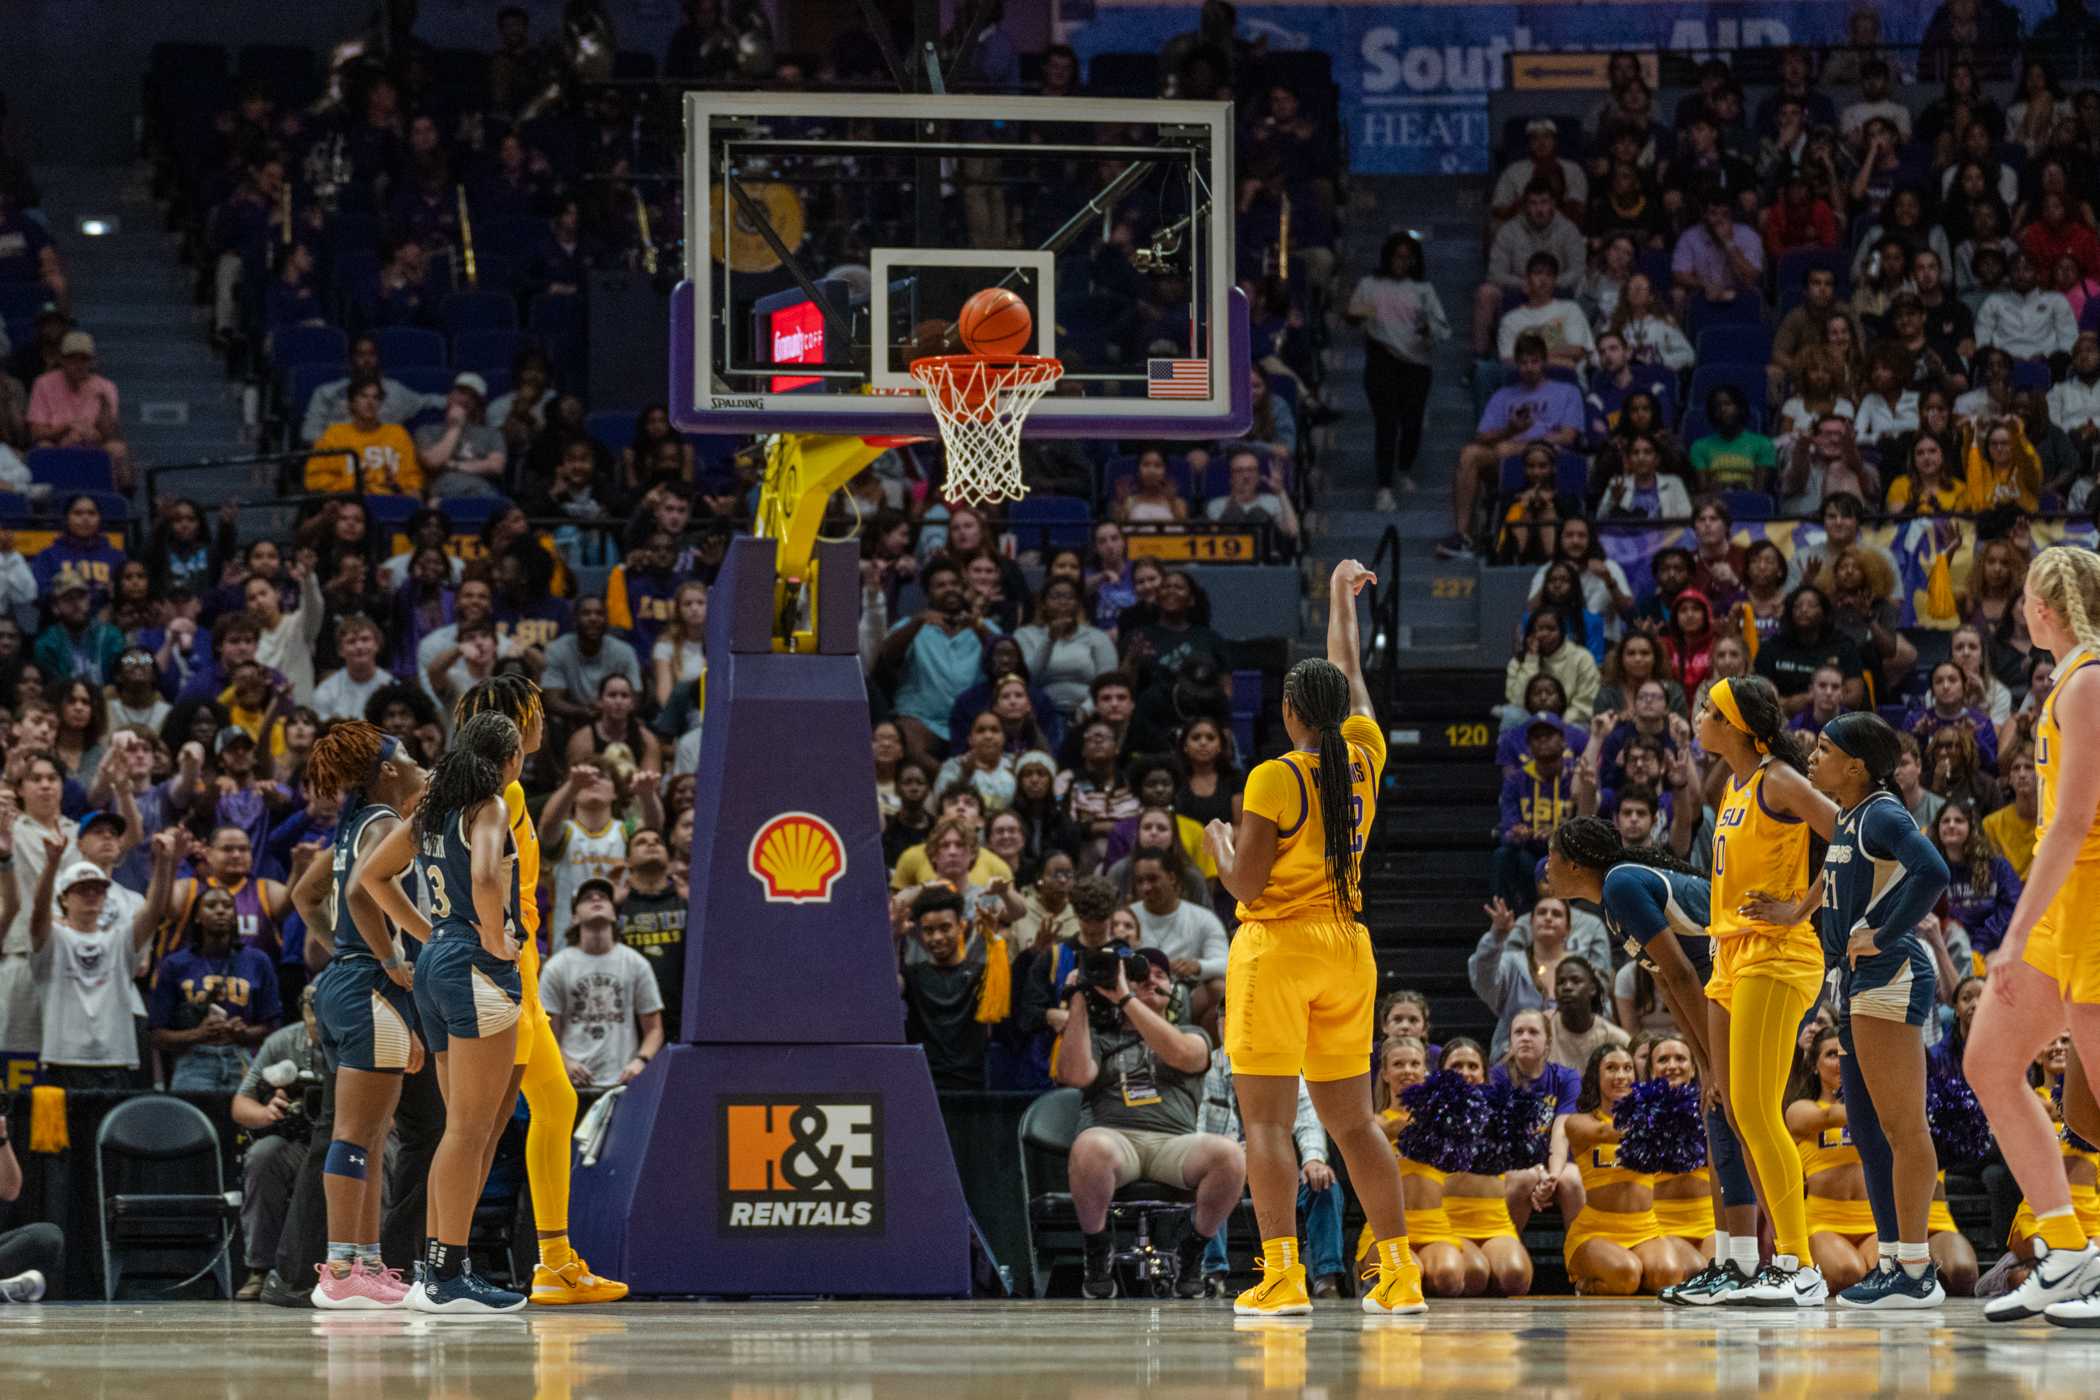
<point x="1189" y="934"/>
<point x="1540" y="228"/>
<point x="601" y="997"/>
<point x="463" y="455"/>
<point x="1141" y="1079"/>
<point x="270" y="1172"/>
<point x="578" y="663"/>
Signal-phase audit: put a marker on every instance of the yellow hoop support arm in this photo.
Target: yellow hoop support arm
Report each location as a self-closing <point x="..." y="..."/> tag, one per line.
<point x="802" y="472"/>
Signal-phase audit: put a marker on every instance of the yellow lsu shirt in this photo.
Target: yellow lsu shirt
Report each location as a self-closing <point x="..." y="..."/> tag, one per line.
<point x="527" y="838"/>
<point x="1756" y="848"/>
<point x="2048" y="754"/>
<point x="1285" y="791"/>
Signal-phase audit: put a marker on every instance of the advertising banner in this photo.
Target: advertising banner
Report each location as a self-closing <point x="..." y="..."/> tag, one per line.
<point x="1415" y="78"/>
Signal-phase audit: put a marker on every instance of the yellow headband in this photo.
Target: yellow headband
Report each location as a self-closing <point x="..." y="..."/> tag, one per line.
<point x="1723" y="697"/>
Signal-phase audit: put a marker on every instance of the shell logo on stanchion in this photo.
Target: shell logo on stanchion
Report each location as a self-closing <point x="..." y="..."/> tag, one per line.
<point x="797" y="857"/>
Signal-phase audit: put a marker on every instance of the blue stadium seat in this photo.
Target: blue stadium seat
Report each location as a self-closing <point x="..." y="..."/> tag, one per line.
<point x="424" y="379"/>
<point x="306" y="345"/>
<point x="66" y="469"/>
<point x="483" y="351"/>
<point x="1051" y="522"/>
<point x="496" y="273"/>
<point x="554" y="315"/>
<point x="1749" y="505"/>
<point x="1571" y="474"/>
<point x="1694" y="425"/>
<point x="20" y="301"/>
<point x="478" y="311"/>
<point x="469" y="513"/>
<point x="1735" y="344"/>
<point x="1655" y="265"/>
<point x="1745" y="309"/>
<point x="512" y="237"/>
<point x="1750" y="379"/>
<point x="409" y="347"/>
<point x="2031" y="374"/>
<point x="393" y="511"/>
<point x="613" y="429"/>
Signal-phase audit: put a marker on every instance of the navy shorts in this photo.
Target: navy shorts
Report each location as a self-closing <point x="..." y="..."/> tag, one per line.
<point x="461" y="990"/>
<point x="1896" y="985"/>
<point x="367" y="1022"/>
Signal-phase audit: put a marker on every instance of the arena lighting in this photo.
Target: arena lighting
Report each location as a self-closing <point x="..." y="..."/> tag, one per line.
<point x="97" y="226"/>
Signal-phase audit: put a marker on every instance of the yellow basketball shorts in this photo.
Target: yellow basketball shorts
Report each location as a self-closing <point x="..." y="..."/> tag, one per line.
<point x="1299" y="997"/>
<point x="2065" y="942"/>
<point x="1793" y="961"/>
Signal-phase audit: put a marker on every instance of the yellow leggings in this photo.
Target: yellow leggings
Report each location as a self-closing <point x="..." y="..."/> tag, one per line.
<point x="552" y="1099"/>
<point x="1763" y="1023"/>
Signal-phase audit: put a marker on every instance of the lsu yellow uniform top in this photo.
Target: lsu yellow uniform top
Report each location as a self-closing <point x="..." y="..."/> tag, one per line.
<point x="2075" y="964"/>
<point x="1426" y="1225"/>
<point x="1285" y="791"/>
<point x="1828" y="1150"/>
<point x="1831" y="1149"/>
<point x="1757" y="848"/>
<point x="1301" y="980"/>
<point x="525" y="837"/>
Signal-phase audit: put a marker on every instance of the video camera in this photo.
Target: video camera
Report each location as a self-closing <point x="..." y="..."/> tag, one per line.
<point x="1097" y="976"/>
<point x="302" y="1092"/>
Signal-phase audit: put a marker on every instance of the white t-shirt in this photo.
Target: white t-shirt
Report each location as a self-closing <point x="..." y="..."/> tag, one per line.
<point x="689" y="663"/>
<point x="87" y="1014"/>
<point x="1560" y="321"/>
<point x="597" y="996"/>
<point x="584" y="855"/>
<point x="343" y="697"/>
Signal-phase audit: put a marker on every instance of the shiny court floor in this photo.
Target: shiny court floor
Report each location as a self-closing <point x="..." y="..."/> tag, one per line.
<point x="814" y="1351"/>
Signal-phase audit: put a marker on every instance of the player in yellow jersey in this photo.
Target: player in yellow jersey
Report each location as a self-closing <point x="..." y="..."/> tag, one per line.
<point x="1768" y="960"/>
<point x="2046" y="972"/>
<point x="1301" y="981"/>
<point x="562" y="1276"/>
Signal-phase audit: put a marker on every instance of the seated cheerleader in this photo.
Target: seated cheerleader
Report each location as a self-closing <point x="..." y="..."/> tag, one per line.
<point x="2081" y="1161"/>
<point x="1451" y="1267"/>
<point x="1614" y="1247"/>
<point x="1840" y="1222"/>
<point x="1684" y="1201"/>
<point x="1473" y="1201"/>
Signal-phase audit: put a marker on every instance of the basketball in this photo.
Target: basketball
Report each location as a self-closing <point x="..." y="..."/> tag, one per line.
<point x="995" y="321"/>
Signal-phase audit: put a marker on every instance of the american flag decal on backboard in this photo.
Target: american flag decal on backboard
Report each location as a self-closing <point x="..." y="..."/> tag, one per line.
<point x="1177" y="379"/>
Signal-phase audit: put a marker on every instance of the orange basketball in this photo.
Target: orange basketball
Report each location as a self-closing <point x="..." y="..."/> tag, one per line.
<point x="995" y="321"/>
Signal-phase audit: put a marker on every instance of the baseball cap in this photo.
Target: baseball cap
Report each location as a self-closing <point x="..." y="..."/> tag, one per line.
<point x="82" y="872"/>
<point x="77" y="343"/>
<point x="1541" y="126"/>
<point x="67" y="581"/>
<point x="229" y="736"/>
<point x="1155" y="957"/>
<point x="113" y="818"/>
<point x="597" y="882"/>
<point x="471" y="380"/>
<point x="1539" y="722"/>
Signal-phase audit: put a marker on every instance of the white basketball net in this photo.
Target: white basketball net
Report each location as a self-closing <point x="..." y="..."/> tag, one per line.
<point x="981" y="403"/>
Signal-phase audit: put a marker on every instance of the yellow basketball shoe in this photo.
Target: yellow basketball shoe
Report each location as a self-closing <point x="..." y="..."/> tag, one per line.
<point x="1398" y="1292"/>
<point x="573" y="1283"/>
<point x="1281" y="1293"/>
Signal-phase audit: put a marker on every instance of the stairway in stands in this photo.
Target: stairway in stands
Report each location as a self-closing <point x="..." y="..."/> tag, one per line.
<point x="133" y="295"/>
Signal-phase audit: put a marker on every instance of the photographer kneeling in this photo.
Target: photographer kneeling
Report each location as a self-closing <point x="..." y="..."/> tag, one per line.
<point x="1141" y="1078"/>
<point x="271" y="1105"/>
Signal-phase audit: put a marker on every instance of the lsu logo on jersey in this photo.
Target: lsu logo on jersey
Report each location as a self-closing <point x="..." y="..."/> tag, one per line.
<point x="801" y="1162"/>
<point x="797" y="857"/>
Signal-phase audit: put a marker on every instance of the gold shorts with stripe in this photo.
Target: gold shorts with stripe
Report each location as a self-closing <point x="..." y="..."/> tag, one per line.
<point x="1299" y="997"/>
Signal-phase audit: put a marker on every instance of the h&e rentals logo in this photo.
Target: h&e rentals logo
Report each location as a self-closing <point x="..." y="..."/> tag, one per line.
<point x="797" y="856"/>
<point x="804" y="1162"/>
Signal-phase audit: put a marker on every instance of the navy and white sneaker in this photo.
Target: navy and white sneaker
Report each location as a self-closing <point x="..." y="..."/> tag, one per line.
<point x="464" y="1293"/>
<point x="1774" y="1287"/>
<point x="1709" y="1286"/>
<point x="1892" y="1289"/>
<point x="2056" y="1276"/>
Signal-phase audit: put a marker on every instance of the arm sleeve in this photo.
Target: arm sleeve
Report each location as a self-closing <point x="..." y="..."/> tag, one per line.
<point x="1889" y="834"/>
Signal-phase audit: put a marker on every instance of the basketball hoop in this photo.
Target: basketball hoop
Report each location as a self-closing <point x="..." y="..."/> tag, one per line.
<point x="981" y="403"/>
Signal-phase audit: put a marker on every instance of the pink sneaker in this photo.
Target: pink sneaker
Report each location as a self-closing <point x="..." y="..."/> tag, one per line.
<point x="391" y="1287"/>
<point x="357" y="1291"/>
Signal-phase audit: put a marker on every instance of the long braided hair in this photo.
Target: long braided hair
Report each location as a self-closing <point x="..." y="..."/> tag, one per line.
<point x="470" y="772"/>
<point x="2067" y="578"/>
<point x="1766" y="718"/>
<point x="1594" y="844"/>
<point x="1319" y="693"/>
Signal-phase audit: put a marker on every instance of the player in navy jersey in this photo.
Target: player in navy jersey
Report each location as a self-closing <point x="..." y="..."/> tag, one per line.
<point x="1657" y="907"/>
<point x="467" y="986"/>
<point x="361" y="1000"/>
<point x="1880" y="876"/>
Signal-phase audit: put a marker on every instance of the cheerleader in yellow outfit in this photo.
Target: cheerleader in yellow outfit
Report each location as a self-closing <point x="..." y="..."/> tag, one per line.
<point x="1841" y="1230"/>
<point x="1451" y="1268"/>
<point x="1615" y="1247"/>
<point x="1302" y="982"/>
<point x="2081" y="1162"/>
<point x="2046" y="971"/>
<point x="1684" y="1201"/>
<point x="1768" y="959"/>
<point x="539" y="1071"/>
<point x="1476" y="1202"/>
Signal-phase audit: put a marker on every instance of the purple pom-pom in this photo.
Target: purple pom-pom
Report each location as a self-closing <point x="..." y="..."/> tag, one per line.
<point x="1446" y="1116"/>
<point x="1660" y="1127"/>
<point x="1519" y="1130"/>
<point x="2071" y="1139"/>
<point x="1961" y="1135"/>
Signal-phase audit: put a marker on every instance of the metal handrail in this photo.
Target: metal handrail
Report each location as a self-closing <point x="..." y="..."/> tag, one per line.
<point x="1385" y="613"/>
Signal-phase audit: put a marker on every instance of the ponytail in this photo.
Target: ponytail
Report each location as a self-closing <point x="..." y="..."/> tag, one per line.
<point x="1318" y="693"/>
<point x="1764" y="719"/>
<point x="1863" y="735"/>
